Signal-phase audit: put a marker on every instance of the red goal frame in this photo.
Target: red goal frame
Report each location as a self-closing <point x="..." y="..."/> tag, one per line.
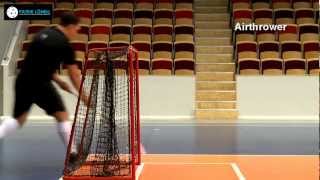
<point x="134" y="112"/>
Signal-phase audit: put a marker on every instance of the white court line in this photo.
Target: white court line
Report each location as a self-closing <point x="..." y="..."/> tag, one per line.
<point x="231" y="155"/>
<point x="139" y="171"/>
<point x="177" y="163"/>
<point x="234" y="166"/>
<point x="237" y="170"/>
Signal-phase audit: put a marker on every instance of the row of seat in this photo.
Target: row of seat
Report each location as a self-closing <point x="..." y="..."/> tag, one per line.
<point x="164" y="36"/>
<point x="274" y="49"/>
<point x="271" y="57"/>
<point x="277" y="66"/>
<point x="277" y="16"/>
<point x="125" y="16"/>
<point x="110" y="4"/>
<point x="260" y="4"/>
<point x="146" y="33"/>
<point x="162" y="58"/>
<point x="292" y="32"/>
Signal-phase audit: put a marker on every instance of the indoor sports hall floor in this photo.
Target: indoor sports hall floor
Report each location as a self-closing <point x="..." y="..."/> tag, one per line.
<point x="183" y="152"/>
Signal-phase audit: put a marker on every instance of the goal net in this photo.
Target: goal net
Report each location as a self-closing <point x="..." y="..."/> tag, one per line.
<point x="105" y="138"/>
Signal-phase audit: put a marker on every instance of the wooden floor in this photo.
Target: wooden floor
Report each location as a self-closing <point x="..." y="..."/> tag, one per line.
<point x="229" y="167"/>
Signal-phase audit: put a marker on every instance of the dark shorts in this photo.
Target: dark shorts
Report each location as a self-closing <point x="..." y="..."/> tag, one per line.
<point x="43" y="94"/>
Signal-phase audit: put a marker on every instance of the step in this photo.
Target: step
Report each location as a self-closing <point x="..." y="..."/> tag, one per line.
<point x="214" y="58"/>
<point x="215" y="76"/>
<point x="216" y="85"/>
<point x="204" y="95"/>
<point x="213" y="33"/>
<point x="214" y="49"/>
<point x="213" y="41"/>
<point x="216" y="114"/>
<point x="210" y="9"/>
<point x="216" y="105"/>
<point x="215" y="67"/>
<point x="211" y="2"/>
<point x="212" y="25"/>
<point x="211" y="17"/>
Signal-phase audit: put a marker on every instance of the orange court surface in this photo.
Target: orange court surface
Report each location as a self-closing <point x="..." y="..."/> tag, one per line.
<point x="230" y="167"/>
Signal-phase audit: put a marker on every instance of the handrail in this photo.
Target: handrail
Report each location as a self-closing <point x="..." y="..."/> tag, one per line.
<point x="11" y="45"/>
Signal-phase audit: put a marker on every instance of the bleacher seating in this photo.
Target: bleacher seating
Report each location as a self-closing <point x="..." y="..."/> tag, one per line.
<point x="293" y="51"/>
<point x="162" y="30"/>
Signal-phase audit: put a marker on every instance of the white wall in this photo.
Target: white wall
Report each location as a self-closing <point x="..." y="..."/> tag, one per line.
<point x="278" y="98"/>
<point x="259" y="98"/>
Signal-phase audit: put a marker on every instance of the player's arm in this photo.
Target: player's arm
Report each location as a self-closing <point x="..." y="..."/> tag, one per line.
<point x="64" y="85"/>
<point x="75" y="77"/>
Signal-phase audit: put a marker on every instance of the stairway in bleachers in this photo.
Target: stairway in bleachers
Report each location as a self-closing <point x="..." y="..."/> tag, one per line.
<point x="215" y="77"/>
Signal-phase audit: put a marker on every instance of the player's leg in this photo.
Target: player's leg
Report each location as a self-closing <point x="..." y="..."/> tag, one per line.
<point x="49" y="100"/>
<point x="23" y="102"/>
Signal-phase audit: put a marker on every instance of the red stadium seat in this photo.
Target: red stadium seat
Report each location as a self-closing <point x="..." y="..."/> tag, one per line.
<point x="25" y="1"/>
<point x="123" y="16"/>
<point x="145" y="4"/>
<point x="266" y="35"/>
<point x="309" y="32"/>
<point x="291" y="49"/>
<point x="144" y="56"/>
<point x="249" y="66"/>
<point x="260" y="4"/>
<point x="311" y="49"/>
<point x="105" y="4"/>
<point x="272" y="66"/>
<point x="313" y="66"/>
<point x="164" y="4"/>
<point x="302" y="3"/>
<point x="184" y="33"/>
<point x="184" y="4"/>
<point x="276" y="4"/>
<point x="241" y="4"/>
<point x="184" y="17"/>
<point x="142" y="33"/>
<point x="295" y="66"/>
<point x="67" y="4"/>
<point x="83" y="33"/>
<point x="163" y="16"/>
<point x="305" y="16"/>
<point x="246" y="50"/>
<point x="284" y="16"/>
<point x="45" y="2"/>
<point x="143" y="16"/>
<point x="94" y="45"/>
<point x="57" y="14"/>
<point x="125" y="4"/>
<point x="316" y="4"/>
<point x="103" y="16"/>
<point x="242" y="16"/>
<point x="244" y="36"/>
<point x="162" y="58"/>
<point x="80" y="49"/>
<point x="121" y="33"/>
<point x="162" y="33"/>
<point x="269" y="49"/>
<point x="85" y="15"/>
<point x="100" y="33"/>
<point x="34" y="29"/>
<point x="85" y="4"/>
<point x="263" y="16"/>
<point x="184" y="58"/>
<point x="289" y="34"/>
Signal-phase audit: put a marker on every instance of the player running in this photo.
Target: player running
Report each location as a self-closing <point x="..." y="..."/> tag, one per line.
<point x="50" y="48"/>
